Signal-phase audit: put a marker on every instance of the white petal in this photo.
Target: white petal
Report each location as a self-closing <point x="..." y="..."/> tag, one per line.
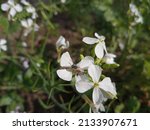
<point x="3" y="41"/>
<point x="36" y="27"/>
<point x="27" y="31"/>
<point x="4" y="47"/>
<point x="81" y="77"/>
<point x="34" y="15"/>
<point x="12" y="12"/>
<point x="90" y="40"/>
<point x="24" y="44"/>
<point x="24" y="23"/>
<point x="100" y="37"/>
<point x="65" y="60"/>
<point x="25" y="2"/>
<point x="64" y="74"/>
<point x="30" y="22"/>
<point x="100" y="107"/>
<point x="110" y="55"/>
<point x="104" y="46"/>
<point x="18" y="8"/>
<point x="11" y="2"/>
<point x="107" y="86"/>
<point x="95" y="72"/>
<point x="99" y="50"/>
<point x="109" y="58"/>
<point x="97" y="35"/>
<point x="83" y="86"/>
<point x="98" y="96"/>
<point x="60" y="42"/>
<point x="5" y="7"/>
<point x="30" y="9"/>
<point x="86" y="62"/>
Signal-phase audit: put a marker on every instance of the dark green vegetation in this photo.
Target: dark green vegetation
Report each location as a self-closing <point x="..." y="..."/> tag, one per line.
<point x="38" y="89"/>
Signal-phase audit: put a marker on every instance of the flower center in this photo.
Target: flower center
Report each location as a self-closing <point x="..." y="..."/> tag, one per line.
<point x="96" y="84"/>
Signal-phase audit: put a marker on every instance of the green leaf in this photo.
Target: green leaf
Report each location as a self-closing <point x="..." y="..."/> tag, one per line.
<point x="147" y="69"/>
<point x="4" y="24"/>
<point x="119" y="108"/>
<point x="133" y="104"/>
<point x="4" y="101"/>
<point x="28" y="73"/>
<point x="110" y="66"/>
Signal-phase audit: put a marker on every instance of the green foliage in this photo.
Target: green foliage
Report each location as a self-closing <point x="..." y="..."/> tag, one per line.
<point x="4" y="24"/>
<point x="37" y="88"/>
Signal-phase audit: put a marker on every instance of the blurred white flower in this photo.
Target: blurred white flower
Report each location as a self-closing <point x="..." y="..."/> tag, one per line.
<point x="25" y="2"/>
<point x="63" y="1"/>
<point x="101" y="89"/>
<point x="29" y="25"/>
<point x="109" y="58"/>
<point x="122" y="45"/>
<point x="135" y="12"/>
<point x="100" y="47"/>
<point x="69" y="68"/>
<point x="3" y="46"/>
<point x="25" y="62"/>
<point x="62" y="43"/>
<point x="12" y="8"/>
<point x="24" y="44"/>
<point x="30" y="9"/>
<point x="38" y="65"/>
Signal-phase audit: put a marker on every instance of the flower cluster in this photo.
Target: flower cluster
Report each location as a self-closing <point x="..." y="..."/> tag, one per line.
<point x="13" y="8"/>
<point x="88" y="72"/>
<point x="136" y="14"/>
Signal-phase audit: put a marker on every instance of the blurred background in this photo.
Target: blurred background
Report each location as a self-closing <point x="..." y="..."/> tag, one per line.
<point x="28" y="80"/>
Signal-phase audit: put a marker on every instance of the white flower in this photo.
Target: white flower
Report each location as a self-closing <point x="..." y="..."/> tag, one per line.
<point x="68" y="68"/>
<point x="24" y="44"/>
<point x="100" y="47"/>
<point x="63" y="1"/>
<point x="29" y="25"/>
<point x="25" y="62"/>
<point x="30" y="9"/>
<point x="62" y="43"/>
<point x="3" y="45"/>
<point x="135" y="12"/>
<point x="109" y="58"/>
<point x="101" y="89"/>
<point x="12" y="7"/>
<point x="97" y="108"/>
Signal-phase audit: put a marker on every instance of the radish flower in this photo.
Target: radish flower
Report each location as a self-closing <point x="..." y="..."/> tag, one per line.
<point x="100" y="47"/>
<point x="12" y="8"/>
<point x="109" y="58"/>
<point x="29" y="25"/>
<point x="62" y="43"/>
<point x="101" y="89"/>
<point x="68" y="68"/>
<point x="30" y="9"/>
